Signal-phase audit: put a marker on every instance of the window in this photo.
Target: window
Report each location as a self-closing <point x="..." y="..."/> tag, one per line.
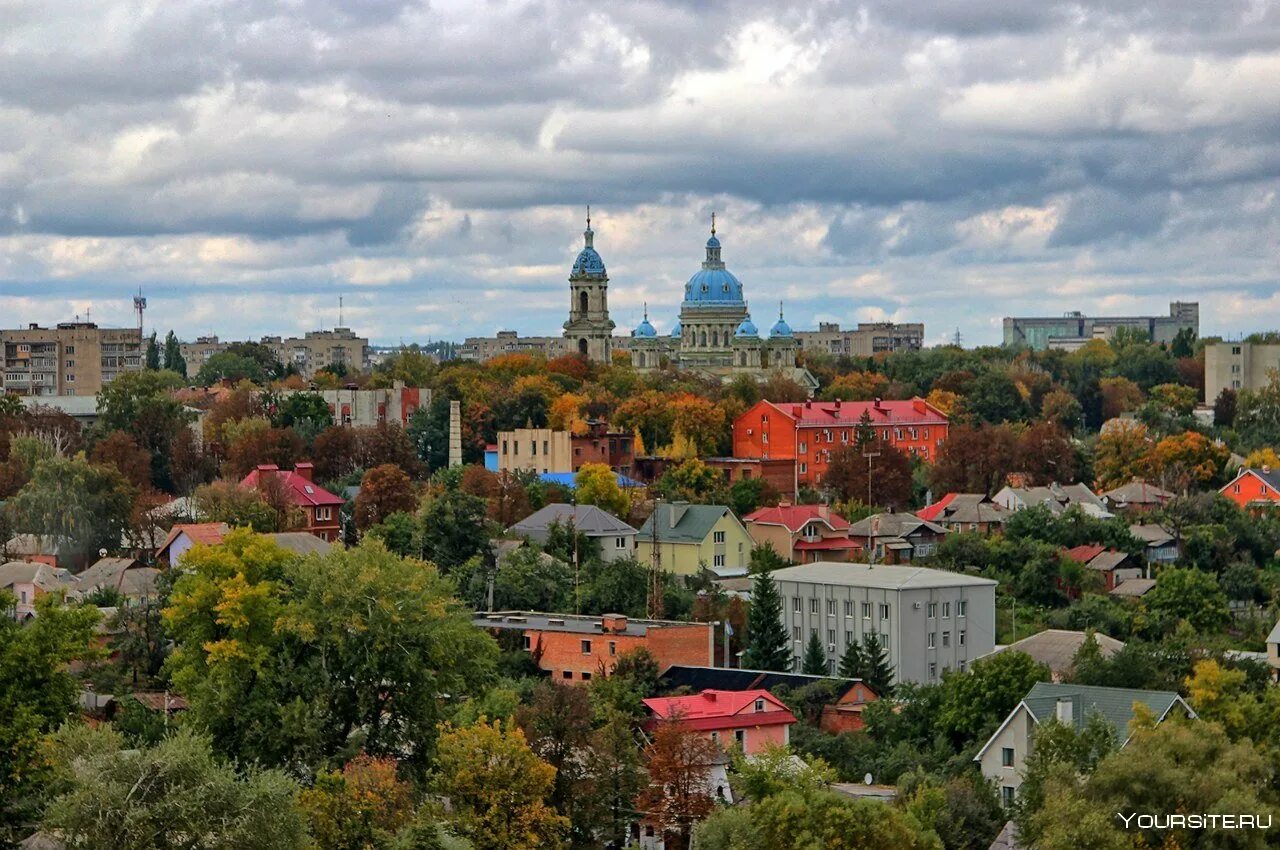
<point x="71" y="364"/>
<point x="804" y="467"/>
<point x="946" y="639"/>
<point x="866" y="610"/>
<point x="946" y="610"/>
<point x="613" y="647"/>
<point x="533" y="448"/>
<point x="804" y="447"/>
<point x="1006" y="795"/>
<point x="795" y="633"/>
<point x="717" y="537"/>
<point x="568" y="674"/>
<point x="528" y="642"/>
<point x="962" y="607"/>
<point x="795" y="604"/>
<point x="586" y="647"/>
<point x="1006" y="756"/>
<point x="586" y="677"/>
<point x="717" y="560"/>
<point x="884" y="611"/>
<point x="960" y="637"/>
<point x="933" y="639"/>
<point x="813" y="606"/>
<point x="324" y="513"/>
<point x="848" y="638"/>
<point x="963" y="665"/>
<point x="831" y="637"/>
<point x="504" y="446"/>
<point x="759" y="705"/>
<point x="831" y="607"/>
<point x="848" y="607"/>
<point x="71" y="349"/>
<point x="544" y="448"/>
<point x="933" y="670"/>
<point x="740" y="737"/>
<point x="619" y="542"/>
<point x="884" y="640"/>
<point x="715" y="737"/>
<point x="933" y="610"/>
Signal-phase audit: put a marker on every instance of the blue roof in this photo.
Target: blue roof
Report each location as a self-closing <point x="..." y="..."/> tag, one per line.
<point x="565" y="479"/>
<point x="588" y="262"/>
<point x="713" y="285"/>
<point x="644" y="330"/>
<point x="676" y="329"/>
<point x="780" y="328"/>
<point x="747" y="328"/>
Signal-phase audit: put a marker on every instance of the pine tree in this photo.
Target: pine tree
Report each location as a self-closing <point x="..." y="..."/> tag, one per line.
<point x="877" y="672"/>
<point x="815" y="660"/>
<point x="766" y="636"/>
<point x="153" y="353"/>
<point x="852" y="664"/>
<point x="173" y="359"/>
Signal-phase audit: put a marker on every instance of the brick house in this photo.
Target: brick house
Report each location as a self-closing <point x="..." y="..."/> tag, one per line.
<point x="809" y="432"/>
<point x="1254" y="489"/>
<point x="750" y="720"/>
<point x="615" y="449"/>
<point x="319" y="506"/>
<point x="577" y="648"/>
<point x="802" y="533"/>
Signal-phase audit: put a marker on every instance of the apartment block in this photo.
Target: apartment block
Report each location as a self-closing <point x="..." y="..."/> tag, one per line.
<point x="929" y="621"/>
<point x="364" y="408"/>
<point x="1072" y="330"/>
<point x="74" y="358"/>
<point x="1238" y="366"/>
<point x="866" y="340"/>
<point x="311" y="353"/>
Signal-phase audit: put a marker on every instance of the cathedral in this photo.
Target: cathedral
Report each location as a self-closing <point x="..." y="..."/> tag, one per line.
<point x="713" y="335"/>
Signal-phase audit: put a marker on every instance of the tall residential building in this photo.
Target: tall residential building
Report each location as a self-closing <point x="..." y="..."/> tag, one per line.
<point x="1238" y="366"/>
<point x="589" y="329"/>
<point x="74" y="358"/>
<point x="929" y="621"/>
<point x="1074" y="329"/>
<point x="867" y="339"/>
<point x="311" y="353"/>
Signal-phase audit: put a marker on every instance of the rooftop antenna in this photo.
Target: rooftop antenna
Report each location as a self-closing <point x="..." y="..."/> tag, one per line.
<point x="958" y="339"/>
<point x="340" y="324"/>
<point x="139" y="306"/>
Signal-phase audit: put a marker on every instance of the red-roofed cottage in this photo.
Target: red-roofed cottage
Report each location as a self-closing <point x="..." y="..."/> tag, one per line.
<point x="1254" y="489"/>
<point x="319" y="506"/>
<point x="750" y="720"/>
<point x="802" y="534"/>
<point x="185" y="535"/>
<point x="809" y="432"/>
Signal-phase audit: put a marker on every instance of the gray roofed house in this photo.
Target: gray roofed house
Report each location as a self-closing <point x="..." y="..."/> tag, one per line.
<point x="1133" y="588"/>
<point x="124" y="575"/>
<point x="690" y="538"/>
<point x="681" y="522"/>
<point x="1159" y="544"/>
<point x="300" y="542"/>
<point x="35" y="545"/>
<point x="1136" y="495"/>
<point x="27" y="580"/>
<point x="617" y="538"/>
<point x="966" y="512"/>
<point x="1057" y="497"/>
<point x="1057" y="648"/>
<point x="1005" y="753"/>
<point x="897" y="537"/>
<point x="1273" y="650"/>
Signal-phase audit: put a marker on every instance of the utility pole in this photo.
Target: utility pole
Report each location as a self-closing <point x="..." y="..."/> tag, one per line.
<point x="573" y="529"/>
<point x="654" y="607"/>
<point x="869" y="451"/>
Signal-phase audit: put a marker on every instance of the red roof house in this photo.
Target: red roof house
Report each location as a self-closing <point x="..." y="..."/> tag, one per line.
<point x="802" y="533"/>
<point x="750" y="720"/>
<point x="809" y="432"/>
<point x="1115" y="567"/>
<point x="319" y="506"/>
<point x="1254" y="489"/>
<point x="185" y="535"/>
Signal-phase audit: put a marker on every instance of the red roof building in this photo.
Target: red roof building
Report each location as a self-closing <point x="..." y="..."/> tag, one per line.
<point x="802" y="534"/>
<point x="1114" y="567"/>
<point x="1254" y="489"/>
<point x="185" y="535"/>
<point x="751" y="720"/>
<point x="809" y="432"/>
<point x="319" y="506"/>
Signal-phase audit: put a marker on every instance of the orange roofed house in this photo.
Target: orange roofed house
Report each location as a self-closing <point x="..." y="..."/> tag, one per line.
<point x="802" y="534"/>
<point x="751" y="720"/>
<point x="320" y="508"/>
<point x="1254" y="489"/>
<point x="576" y="648"/>
<point x="809" y="432"/>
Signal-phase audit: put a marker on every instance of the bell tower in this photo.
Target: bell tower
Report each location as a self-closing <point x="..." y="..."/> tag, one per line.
<point x="589" y="330"/>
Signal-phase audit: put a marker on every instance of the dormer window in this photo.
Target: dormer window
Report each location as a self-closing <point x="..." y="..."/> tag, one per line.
<point x="759" y="705"/>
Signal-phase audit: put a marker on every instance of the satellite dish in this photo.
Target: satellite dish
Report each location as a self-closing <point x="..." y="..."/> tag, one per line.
<point x="102" y="553"/>
<point x="866" y="780"/>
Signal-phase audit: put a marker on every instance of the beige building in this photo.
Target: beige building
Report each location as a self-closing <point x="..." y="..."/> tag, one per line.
<point x="867" y="339"/>
<point x="310" y="353"/>
<point x="482" y="348"/>
<point x="1237" y="366"/>
<point x="535" y="450"/>
<point x="74" y="358"/>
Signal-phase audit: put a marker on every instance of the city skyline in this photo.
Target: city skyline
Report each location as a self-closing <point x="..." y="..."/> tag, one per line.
<point x="913" y="162"/>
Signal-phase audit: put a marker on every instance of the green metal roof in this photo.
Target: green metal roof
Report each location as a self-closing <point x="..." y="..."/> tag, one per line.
<point x="692" y="523"/>
<point x="1114" y="704"/>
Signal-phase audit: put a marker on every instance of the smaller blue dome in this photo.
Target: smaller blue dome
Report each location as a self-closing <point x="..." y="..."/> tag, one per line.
<point x="676" y="330"/>
<point x="780" y="328"/>
<point x="747" y="328"/>
<point x="713" y="242"/>
<point x="644" y="330"/>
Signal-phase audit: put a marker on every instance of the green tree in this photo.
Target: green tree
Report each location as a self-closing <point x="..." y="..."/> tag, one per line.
<point x="384" y="490"/>
<point x="815" y="658"/>
<point x="173" y="359"/>
<point x="397" y="532"/>
<point x="304" y="412"/>
<point x="229" y="366"/>
<point x="596" y="484"/>
<point x="872" y="664"/>
<point x="1191" y="595"/>
<point x="84" y="507"/>
<point x="497" y="788"/>
<point x="174" y="794"/>
<point x="557" y="724"/>
<point x="692" y="481"/>
<point x="530" y="580"/>
<point x="767" y="644"/>
<point x="613" y="761"/>
<point x="453" y="528"/>
<point x="974" y="702"/>
<point x="142" y="404"/>
<point x="1057" y="745"/>
<point x="746" y="495"/>
<point x="37" y="693"/>
<point x="365" y="806"/>
<point x="993" y="397"/>
<point x="153" y="353"/>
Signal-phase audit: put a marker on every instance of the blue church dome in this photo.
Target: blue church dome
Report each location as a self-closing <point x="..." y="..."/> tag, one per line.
<point x="780" y="328"/>
<point x="588" y="261"/>
<point x="644" y="330"/>
<point x="713" y="285"/>
<point x="676" y="330"/>
<point x="747" y="328"/>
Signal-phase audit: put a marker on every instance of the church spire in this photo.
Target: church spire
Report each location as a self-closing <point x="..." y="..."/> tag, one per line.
<point x="588" y="235"/>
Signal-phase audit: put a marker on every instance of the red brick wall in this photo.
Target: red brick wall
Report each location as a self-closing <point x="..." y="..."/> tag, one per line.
<point x="562" y="651"/>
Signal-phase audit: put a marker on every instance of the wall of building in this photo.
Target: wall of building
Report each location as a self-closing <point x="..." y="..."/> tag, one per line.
<point x="1041" y="333"/>
<point x="1237" y="366"/>
<point x="866" y="340"/>
<point x="1016" y="734"/>
<point x="562" y="652"/>
<point x="309" y="353"/>
<point x="536" y="450"/>
<point x="74" y="358"/>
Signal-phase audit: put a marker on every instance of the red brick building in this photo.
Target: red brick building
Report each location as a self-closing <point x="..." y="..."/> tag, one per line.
<point x="1254" y="489"/>
<point x="809" y="432"/>
<point x="577" y="648"/>
<point x="615" y="449"/>
<point x="319" y="507"/>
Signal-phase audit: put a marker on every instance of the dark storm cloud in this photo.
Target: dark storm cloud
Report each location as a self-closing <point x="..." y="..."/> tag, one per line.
<point x="430" y="160"/>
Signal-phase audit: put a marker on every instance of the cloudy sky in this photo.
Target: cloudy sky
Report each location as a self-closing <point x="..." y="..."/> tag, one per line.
<point x="247" y="162"/>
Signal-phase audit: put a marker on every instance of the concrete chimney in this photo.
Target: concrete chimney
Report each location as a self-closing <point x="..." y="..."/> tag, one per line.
<point x="455" y="433"/>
